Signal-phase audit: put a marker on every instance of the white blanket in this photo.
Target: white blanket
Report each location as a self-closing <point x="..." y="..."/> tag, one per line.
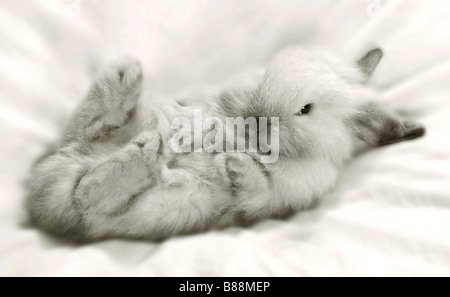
<point x="390" y="213"/>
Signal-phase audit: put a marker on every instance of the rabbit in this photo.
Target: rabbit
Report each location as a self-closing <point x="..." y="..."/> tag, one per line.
<point x="117" y="173"/>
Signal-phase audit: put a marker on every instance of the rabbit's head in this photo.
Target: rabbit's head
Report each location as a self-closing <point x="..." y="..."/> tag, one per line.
<point x="322" y="103"/>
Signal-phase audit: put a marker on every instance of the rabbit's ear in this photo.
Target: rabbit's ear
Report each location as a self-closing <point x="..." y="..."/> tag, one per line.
<point x="370" y="61"/>
<point x="377" y="127"/>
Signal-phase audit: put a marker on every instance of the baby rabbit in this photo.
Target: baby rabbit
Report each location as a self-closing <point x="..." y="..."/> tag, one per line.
<point x="116" y="172"/>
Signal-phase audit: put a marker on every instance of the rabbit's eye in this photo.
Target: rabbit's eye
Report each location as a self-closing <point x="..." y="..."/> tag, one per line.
<point x="305" y="110"/>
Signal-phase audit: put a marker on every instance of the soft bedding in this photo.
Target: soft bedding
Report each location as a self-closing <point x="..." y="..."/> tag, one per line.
<point x="390" y="212"/>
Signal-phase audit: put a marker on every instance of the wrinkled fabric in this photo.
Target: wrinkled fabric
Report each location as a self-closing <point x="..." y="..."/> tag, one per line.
<point x="390" y="212"/>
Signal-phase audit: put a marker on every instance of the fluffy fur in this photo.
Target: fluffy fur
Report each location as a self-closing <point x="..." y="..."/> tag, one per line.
<point x="115" y="174"/>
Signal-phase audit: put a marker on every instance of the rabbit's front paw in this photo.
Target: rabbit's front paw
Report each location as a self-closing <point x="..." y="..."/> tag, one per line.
<point x="150" y="144"/>
<point x="247" y="176"/>
<point x="236" y="167"/>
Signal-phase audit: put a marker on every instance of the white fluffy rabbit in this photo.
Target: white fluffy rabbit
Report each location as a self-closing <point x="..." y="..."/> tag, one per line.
<point x="115" y="173"/>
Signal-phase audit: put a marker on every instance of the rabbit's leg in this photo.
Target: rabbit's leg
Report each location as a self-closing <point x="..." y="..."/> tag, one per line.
<point x="251" y="184"/>
<point x="110" y="104"/>
<point x="109" y="187"/>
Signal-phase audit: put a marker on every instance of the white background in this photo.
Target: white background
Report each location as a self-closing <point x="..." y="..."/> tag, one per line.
<point x="389" y="215"/>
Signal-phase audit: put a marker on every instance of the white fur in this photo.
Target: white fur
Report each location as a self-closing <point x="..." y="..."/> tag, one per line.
<point x="128" y="187"/>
